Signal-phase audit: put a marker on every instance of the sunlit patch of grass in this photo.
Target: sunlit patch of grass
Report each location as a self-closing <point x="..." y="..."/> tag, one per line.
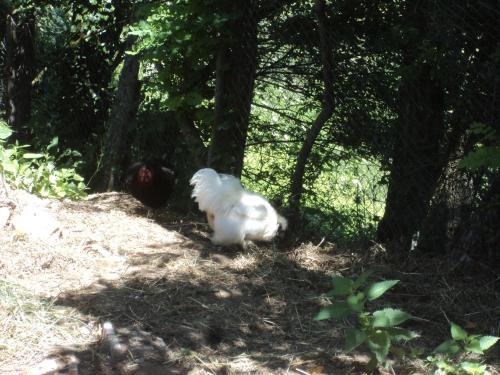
<point x="31" y="326"/>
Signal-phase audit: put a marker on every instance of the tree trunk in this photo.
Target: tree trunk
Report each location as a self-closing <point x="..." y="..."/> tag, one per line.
<point x="19" y="72"/>
<point x="418" y="155"/>
<point x="478" y="235"/>
<point x="449" y="208"/>
<point x="489" y="230"/>
<point x="327" y="107"/>
<point x="122" y="120"/>
<point x="235" y="76"/>
<point x="417" y="158"/>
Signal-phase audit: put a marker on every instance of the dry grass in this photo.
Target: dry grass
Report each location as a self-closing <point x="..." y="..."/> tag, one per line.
<point x="180" y="305"/>
<point x="29" y="325"/>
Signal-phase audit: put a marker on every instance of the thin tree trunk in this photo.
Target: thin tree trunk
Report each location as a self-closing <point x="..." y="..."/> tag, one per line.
<point x="321" y="119"/>
<point x="122" y="120"/>
<point x="235" y="77"/>
<point x="19" y="72"/>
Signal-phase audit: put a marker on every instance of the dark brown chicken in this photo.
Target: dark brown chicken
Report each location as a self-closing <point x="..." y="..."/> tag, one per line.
<point x="150" y="182"/>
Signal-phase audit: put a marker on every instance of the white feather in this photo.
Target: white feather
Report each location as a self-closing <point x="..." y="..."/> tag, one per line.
<point x="235" y="214"/>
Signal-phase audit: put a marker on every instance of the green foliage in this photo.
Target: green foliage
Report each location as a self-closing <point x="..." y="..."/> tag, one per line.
<point x="483" y="156"/>
<point x="177" y="40"/>
<point x="5" y="131"/>
<point x="342" y="198"/>
<point x="376" y="290"/>
<point x="449" y="357"/>
<point x="41" y="173"/>
<point x="342" y="202"/>
<point x="78" y="47"/>
<point x="378" y="330"/>
<point x="487" y="151"/>
<point x="176" y="43"/>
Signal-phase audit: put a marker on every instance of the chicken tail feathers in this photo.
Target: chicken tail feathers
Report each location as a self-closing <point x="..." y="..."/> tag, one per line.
<point x="215" y="192"/>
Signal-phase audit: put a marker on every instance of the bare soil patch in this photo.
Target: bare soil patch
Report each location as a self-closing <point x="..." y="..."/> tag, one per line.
<point x="178" y="305"/>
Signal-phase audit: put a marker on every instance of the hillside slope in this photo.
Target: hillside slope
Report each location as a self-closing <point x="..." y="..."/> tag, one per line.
<point x="176" y="303"/>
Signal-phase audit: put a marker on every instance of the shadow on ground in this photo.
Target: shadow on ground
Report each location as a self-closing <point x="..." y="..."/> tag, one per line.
<point x="223" y="311"/>
<point x="158" y="298"/>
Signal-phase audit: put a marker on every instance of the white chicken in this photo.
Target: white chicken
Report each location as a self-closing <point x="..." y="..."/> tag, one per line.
<point x="235" y="214"/>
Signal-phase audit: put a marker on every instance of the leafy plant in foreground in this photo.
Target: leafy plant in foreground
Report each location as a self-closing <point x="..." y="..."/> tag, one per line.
<point x="446" y="357"/>
<point x="378" y="330"/>
<point x="40" y="173"/>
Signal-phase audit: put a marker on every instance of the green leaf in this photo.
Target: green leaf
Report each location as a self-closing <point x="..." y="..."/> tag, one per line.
<point x="472" y="344"/>
<point x="487" y="342"/>
<point x="376" y="290"/>
<point x="389" y="317"/>
<point x="9" y="166"/>
<point x="361" y="280"/>
<point x="53" y="143"/>
<point x="379" y="343"/>
<point x="336" y="311"/>
<point x="485" y="156"/>
<point x="30" y="155"/>
<point x="5" y="131"/>
<point x="457" y="332"/>
<point x="473" y="368"/>
<point x="354" y="338"/>
<point x="479" y="128"/>
<point x="356" y="301"/>
<point x="449" y="347"/>
<point x="342" y="286"/>
<point x="401" y="334"/>
<point x="444" y="365"/>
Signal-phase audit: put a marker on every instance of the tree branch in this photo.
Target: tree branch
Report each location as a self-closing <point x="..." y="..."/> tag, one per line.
<point x="269" y="7"/>
<point x="323" y="117"/>
<point x="279" y="112"/>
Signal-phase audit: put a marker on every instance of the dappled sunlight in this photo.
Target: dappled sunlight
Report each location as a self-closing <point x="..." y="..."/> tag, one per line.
<point x="249" y="187"/>
<point x="176" y="302"/>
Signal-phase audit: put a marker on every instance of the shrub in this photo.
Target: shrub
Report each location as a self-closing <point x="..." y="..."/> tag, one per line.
<point x="378" y="330"/>
<point x="42" y="173"/>
<point x="449" y="357"/>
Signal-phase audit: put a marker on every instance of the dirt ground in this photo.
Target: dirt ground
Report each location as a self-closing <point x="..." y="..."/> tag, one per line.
<point x="120" y="289"/>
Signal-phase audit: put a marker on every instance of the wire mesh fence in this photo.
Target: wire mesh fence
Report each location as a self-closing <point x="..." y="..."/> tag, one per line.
<point x="410" y="80"/>
<point x="359" y="111"/>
